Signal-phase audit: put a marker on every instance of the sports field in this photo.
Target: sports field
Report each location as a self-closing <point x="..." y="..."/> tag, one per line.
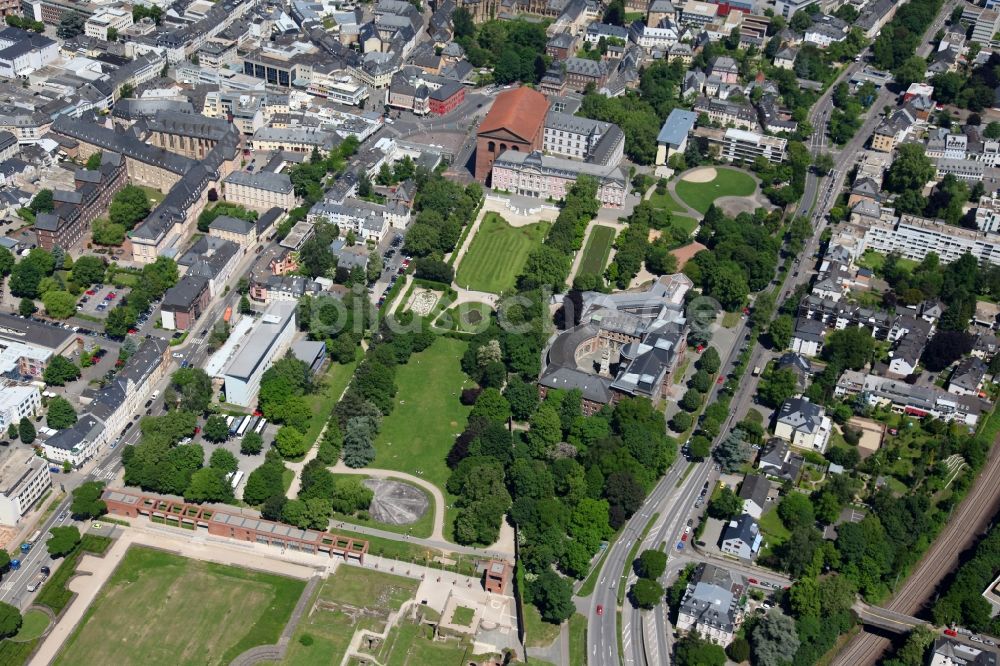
<point x="497" y="254"/>
<point x="160" y="608"/>
<point x="597" y="250"/>
<point x="727" y="183"/>
<point x="421" y="429"/>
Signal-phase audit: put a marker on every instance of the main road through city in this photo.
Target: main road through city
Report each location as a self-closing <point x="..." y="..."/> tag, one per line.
<point x="646" y="635"/>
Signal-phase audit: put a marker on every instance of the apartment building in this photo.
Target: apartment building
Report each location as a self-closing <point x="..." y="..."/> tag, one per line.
<point x="296" y="140"/>
<point x="260" y="191"/>
<point x="710" y="605"/>
<point x="241" y="232"/>
<point x="736" y="145"/>
<point x="24" y="477"/>
<point x="913" y="237"/>
<point x="727" y="114"/>
<point x="17" y="401"/>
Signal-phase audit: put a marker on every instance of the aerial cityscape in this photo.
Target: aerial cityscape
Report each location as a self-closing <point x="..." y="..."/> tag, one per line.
<point x="489" y="332"/>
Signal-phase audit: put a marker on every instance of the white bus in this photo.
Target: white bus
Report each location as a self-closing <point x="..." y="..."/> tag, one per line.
<point x="234" y="478"/>
<point x="229" y="421"/>
<point x="33" y="539"/>
<point x="260" y="426"/>
<point x="243" y="426"/>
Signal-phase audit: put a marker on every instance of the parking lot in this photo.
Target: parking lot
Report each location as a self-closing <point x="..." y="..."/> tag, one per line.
<point x="97" y="300"/>
<point x="394" y="264"/>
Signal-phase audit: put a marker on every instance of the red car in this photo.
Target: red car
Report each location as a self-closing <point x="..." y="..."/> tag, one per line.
<point x="720" y="380"/>
<point x="91" y="292"/>
<point x="684" y="537"/>
<point x="133" y="331"/>
<point x="752" y="581"/>
<point x="197" y="429"/>
<point x="950" y="632"/>
<point x="600" y="609"/>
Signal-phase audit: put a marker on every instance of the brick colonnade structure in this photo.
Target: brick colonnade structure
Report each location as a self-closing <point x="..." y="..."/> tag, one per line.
<point x="516" y="121"/>
<point x="232" y="523"/>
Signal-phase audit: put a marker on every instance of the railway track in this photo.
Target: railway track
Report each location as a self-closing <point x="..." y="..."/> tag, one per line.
<point x="968" y="521"/>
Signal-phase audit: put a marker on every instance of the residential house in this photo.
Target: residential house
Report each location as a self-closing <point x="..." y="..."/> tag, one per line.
<point x="808" y="337"/>
<point x="779" y="461"/>
<point x="711" y="604"/>
<point x="967" y="379"/>
<point x="754" y="491"/>
<point x="742" y="538"/>
<point x="804" y="424"/>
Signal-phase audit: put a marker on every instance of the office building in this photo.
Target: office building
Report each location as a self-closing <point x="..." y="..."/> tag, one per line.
<point x="248" y="357"/>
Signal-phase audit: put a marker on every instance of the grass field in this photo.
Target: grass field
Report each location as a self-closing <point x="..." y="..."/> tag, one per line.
<point x="666" y="201"/>
<point x="727" y="183"/>
<point x="875" y="261"/>
<point x="160" y="608"/>
<point x="497" y="254"/>
<point x="684" y="222"/>
<point x="465" y="318"/>
<point x="421" y="429"/>
<point x="595" y="254"/>
<point x="365" y="588"/>
<point x="775" y="532"/>
<point x="14" y="651"/>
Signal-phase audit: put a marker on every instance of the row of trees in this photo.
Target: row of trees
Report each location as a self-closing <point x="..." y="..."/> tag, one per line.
<point x="549" y="264"/>
<point x="443" y="208"/>
<point x="897" y="44"/>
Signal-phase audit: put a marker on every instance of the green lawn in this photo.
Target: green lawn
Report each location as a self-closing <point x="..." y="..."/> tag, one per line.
<point x="327" y="631"/>
<point x="875" y="261"/>
<point x="15" y="650"/>
<point x="497" y="254"/>
<point x="160" y="608"/>
<point x="418" y="434"/>
<point x="410" y="644"/>
<point x="334" y="381"/>
<point x="727" y="183"/>
<point x="364" y="588"/>
<point x="577" y="639"/>
<point x="32" y="626"/>
<point x="463" y="616"/>
<point x="54" y="594"/>
<point x="688" y="224"/>
<point x="155" y="196"/>
<point x="287" y="476"/>
<point x="595" y="254"/>
<point x="773" y="528"/>
<point x="667" y="202"/>
<point x="538" y="632"/>
<point x="465" y="318"/>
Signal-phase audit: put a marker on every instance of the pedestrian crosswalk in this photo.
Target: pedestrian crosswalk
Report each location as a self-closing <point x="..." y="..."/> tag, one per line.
<point x="105" y="473"/>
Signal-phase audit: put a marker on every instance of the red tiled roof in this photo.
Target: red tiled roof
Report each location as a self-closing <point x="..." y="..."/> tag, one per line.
<point x="520" y="111"/>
